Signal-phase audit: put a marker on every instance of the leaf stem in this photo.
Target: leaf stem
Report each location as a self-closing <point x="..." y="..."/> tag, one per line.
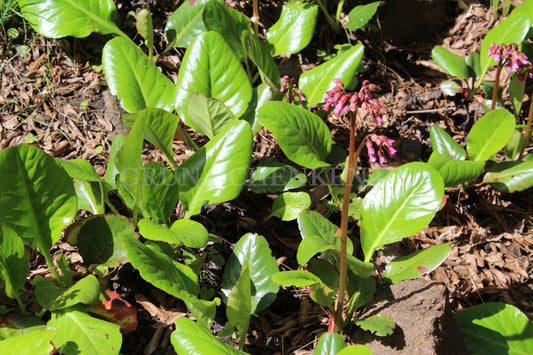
<point x="255" y="17"/>
<point x="527" y="136"/>
<point x="496" y="85"/>
<point x="21" y="304"/>
<point x="52" y="267"/>
<point x="334" y="25"/>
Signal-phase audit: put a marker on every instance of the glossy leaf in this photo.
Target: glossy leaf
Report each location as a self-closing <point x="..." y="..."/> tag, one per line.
<point x="208" y="116"/>
<point x="260" y="56"/>
<point x="316" y="82"/>
<point x="312" y="223"/>
<point x="260" y="96"/>
<point x="239" y="307"/>
<point x="302" y="135"/>
<point x="294" y="29"/>
<point x="490" y="134"/>
<point x="511" y="30"/>
<point x="185" y="23"/>
<point x="450" y="88"/>
<point x="159" y="191"/>
<point x="191" y="338"/>
<point x="53" y="297"/>
<point x="456" y="172"/>
<point x="452" y="63"/>
<point x="14" y="263"/>
<point x="80" y="169"/>
<point x="145" y="27"/>
<point x="361" y="14"/>
<point x="329" y="344"/>
<point x="216" y="173"/>
<point x="381" y="326"/>
<point x="37" y="197"/>
<point x="310" y="246"/>
<point x="442" y="143"/>
<point x="298" y="278"/>
<point x="355" y="350"/>
<point x="36" y="342"/>
<point x="229" y="22"/>
<point x="79" y="333"/>
<point x="90" y="196"/>
<point x="399" y="205"/>
<point x="516" y="95"/>
<point x="495" y="328"/>
<point x="289" y="205"/>
<point x="254" y="250"/>
<point x="515" y="143"/>
<point x="510" y="176"/>
<point x="183" y="231"/>
<point x="417" y="264"/>
<point x="211" y="68"/>
<point x="111" y="171"/>
<point x="77" y="18"/>
<point x="272" y="176"/>
<point x="134" y="79"/>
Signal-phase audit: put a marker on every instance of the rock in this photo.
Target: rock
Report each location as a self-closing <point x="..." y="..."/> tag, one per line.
<point x="423" y="317"/>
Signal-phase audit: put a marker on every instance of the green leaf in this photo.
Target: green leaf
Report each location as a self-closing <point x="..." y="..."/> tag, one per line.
<point x="450" y="88"/>
<point x="294" y="29"/>
<point x="79" y="333"/>
<point x="515" y="143"/>
<point x="329" y="344"/>
<point x="452" y="63"/>
<point x="474" y="67"/>
<point x="229" y="22"/>
<point x="490" y="134"/>
<point x="111" y="171"/>
<point x="316" y="82"/>
<point x="14" y="263"/>
<point x="159" y="191"/>
<point x="260" y="56"/>
<point x="90" y="196"/>
<point x="302" y="135"/>
<point x="289" y="205"/>
<point x="77" y="18"/>
<point x="455" y="172"/>
<point x="442" y="143"/>
<point x="310" y="246"/>
<point x="510" y="176"/>
<point x="97" y="239"/>
<point x="355" y="350"/>
<point x="211" y="68"/>
<point x="158" y="269"/>
<point x="511" y="30"/>
<point x="204" y="311"/>
<point x="208" y="116"/>
<point x="185" y="23"/>
<point x="80" y="169"/>
<point x="254" y="250"/>
<point x="312" y="223"/>
<point x="145" y="27"/>
<point x="217" y="171"/>
<point x="260" y="96"/>
<point x="381" y="326"/>
<point x="134" y="79"/>
<point x="361" y="14"/>
<point x="271" y="177"/>
<point x="417" y="264"/>
<point x="239" y="307"/>
<point x="495" y="328"/>
<point x="399" y="205"/>
<point x="37" y="197"/>
<point x="516" y="95"/>
<point x="183" y="231"/>
<point x="191" y="338"/>
<point x="53" y="297"/>
<point x="298" y="278"/>
<point x="36" y="342"/>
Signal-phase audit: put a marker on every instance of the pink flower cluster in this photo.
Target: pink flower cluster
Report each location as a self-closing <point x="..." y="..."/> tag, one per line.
<point x="289" y="89"/>
<point x="513" y="60"/>
<point x="381" y="142"/>
<point x="352" y="101"/>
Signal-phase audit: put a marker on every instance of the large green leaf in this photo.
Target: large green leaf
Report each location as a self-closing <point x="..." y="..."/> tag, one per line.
<point x="510" y="176"/>
<point x="302" y="135"/>
<point x="495" y="328"/>
<point x="211" y="68"/>
<point x="37" y="197"/>
<point x="53" y="297"/>
<point x="216" y="173"/>
<point x="289" y="205"/>
<point x="381" y="326"/>
<point x="159" y="191"/>
<point x="254" y="250"/>
<point x="355" y="350"/>
<point x="183" y="231"/>
<point x="260" y="56"/>
<point x="261" y="94"/>
<point x="490" y="134"/>
<point x="80" y="169"/>
<point x="191" y="338"/>
<point x="294" y="29"/>
<point x="417" y="264"/>
<point x="455" y="172"/>
<point x="317" y="81"/>
<point x="272" y="176"/>
<point x="361" y="14"/>
<point x="452" y="63"/>
<point x="229" y="22"/>
<point x="79" y="333"/>
<point x="185" y="23"/>
<point x="35" y="343"/>
<point x="77" y="18"/>
<point x="134" y="79"/>
<point x="329" y="344"/>
<point x="320" y="292"/>
<point x="442" y="143"/>
<point x="399" y="205"/>
<point x="511" y="30"/>
<point x="14" y="263"/>
<point x="89" y="186"/>
<point x="208" y="115"/>
<point x="239" y="307"/>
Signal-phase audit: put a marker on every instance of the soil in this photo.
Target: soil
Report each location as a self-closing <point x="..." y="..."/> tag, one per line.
<point x="55" y="98"/>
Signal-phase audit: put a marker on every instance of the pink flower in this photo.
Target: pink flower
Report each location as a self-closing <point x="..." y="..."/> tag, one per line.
<point x="289" y="89"/>
<point x="381" y="142"/>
